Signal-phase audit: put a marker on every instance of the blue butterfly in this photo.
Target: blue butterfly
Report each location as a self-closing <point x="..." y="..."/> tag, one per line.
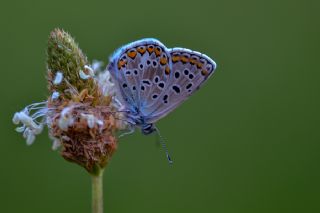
<point x="154" y="80"/>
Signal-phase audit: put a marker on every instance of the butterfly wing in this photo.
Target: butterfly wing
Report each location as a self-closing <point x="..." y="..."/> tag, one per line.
<point x="141" y="70"/>
<point x="190" y="70"/>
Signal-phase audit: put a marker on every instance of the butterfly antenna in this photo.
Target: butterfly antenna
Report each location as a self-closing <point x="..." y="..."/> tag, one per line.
<point x="164" y="147"/>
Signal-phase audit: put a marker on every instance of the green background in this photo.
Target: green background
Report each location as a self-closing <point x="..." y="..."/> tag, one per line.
<point x="248" y="141"/>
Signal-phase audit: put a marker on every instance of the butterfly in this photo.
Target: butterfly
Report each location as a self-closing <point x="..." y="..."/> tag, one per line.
<point x="154" y="80"/>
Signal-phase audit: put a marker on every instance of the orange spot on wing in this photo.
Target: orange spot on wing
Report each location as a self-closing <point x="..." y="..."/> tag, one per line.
<point x="175" y="58"/>
<point x="121" y="63"/>
<point x="184" y="59"/>
<point x="150" y="49"/>
<point x="141" y="50"/>
<point x="132" y="54"/>
<point x="158" y="51"/>
<point x="163" y="60"/>
<point x="199" y="65"/>
<point x="167" y="70"/>
<point x="204" y="72"/>
<point x="193" y="61"/>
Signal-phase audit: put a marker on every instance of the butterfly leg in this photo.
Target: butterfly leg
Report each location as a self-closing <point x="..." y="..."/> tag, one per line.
<point x="130" y="131"/>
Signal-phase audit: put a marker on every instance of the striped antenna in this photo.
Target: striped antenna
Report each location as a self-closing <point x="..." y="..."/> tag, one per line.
<point x="164" y="147"/>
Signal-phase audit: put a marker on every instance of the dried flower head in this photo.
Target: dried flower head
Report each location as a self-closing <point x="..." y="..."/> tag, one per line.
<point x="82" y="112"/>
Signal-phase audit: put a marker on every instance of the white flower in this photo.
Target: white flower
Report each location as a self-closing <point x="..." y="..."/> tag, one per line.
<point x="20" y="129"/>
<point x="106" y="84"/>
<point x="97" y="66"/>
<point x="55" y="95"/>
<point x="89" y="70"/>
<point x="91" y="120"/>
<point x="56" y="144"/>
<point x="65" y="119"/>
<point x="30" y="138"/>
<point x="58" y="78"/>
<point x="15" y="118"/>
<point x="83" y="75"/>
<point x="29" y="118"/>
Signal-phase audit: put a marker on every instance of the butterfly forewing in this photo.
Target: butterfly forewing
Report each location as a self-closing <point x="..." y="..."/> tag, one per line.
<point x="142" y="71"/>
<point x="190" y="70"/>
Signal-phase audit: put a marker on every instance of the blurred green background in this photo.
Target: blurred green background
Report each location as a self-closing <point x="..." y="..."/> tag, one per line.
<point x="248" y="141"/>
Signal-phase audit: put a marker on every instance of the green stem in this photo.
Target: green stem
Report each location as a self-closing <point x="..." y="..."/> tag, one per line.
<point x="97" y="192"/>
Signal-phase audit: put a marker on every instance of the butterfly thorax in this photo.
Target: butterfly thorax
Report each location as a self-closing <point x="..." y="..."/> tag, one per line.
<point x="135" y="117"/>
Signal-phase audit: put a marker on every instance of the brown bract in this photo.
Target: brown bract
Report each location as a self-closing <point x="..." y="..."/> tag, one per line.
<point x="93" y="147"/>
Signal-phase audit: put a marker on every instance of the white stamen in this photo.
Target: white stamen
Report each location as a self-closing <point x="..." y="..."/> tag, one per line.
<point x="99" y="122"/>
<point x="20" y="129"/>
<point x="55" y="95"/>
<point x="16" y="118"/>
<point x="31" y="124"/>
<point x="66" y="138"/>
<point x="89" y="69"/>
<point x="38" y="130"/>
<point x="96" y="65"/>
<point x="26" y="133"/>
<point x="63" y="123"/>
<point x="30" y="138"/>
<point x="105" y="82"/>
<point x="56" y="144"/>
<point x="27" y="120"/>
<point x="65" y="120"/>
<point x="58" y="79"/>
<point x="83" y="75"/>
<point x="91" y="120"/>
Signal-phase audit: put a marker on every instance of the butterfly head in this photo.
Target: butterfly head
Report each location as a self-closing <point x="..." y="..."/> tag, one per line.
<point x="147" y="129"/>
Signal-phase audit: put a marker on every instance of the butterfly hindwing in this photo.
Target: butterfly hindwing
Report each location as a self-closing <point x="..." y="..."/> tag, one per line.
<point x="190" y="70"/>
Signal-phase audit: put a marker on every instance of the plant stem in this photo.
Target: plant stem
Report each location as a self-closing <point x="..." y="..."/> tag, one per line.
<point x="97" y="192"/>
